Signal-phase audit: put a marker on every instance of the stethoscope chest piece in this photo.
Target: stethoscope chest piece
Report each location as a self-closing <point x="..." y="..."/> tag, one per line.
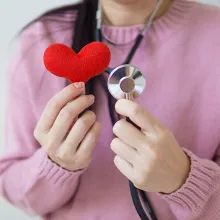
<point x="125" y="81"/>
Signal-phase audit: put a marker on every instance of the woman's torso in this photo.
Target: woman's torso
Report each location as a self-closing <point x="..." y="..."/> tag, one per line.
<point x="178" y="93"/>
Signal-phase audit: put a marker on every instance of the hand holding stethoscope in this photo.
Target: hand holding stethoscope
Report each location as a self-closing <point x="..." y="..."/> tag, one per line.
<point x="147" y="153"/>
<point x="151" y="157"/>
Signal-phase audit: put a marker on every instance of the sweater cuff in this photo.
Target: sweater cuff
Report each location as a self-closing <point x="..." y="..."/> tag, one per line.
<point x="194" y="193"/>
<point x="47" y="169"/>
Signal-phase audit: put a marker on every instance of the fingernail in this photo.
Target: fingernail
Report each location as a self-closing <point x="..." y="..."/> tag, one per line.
<point x="92" y="98"/>
<point x="79" y="85"/>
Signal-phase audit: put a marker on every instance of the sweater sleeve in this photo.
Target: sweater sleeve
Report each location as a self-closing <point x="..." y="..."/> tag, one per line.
<point x="199" y="197"/>
<point x="28" y="179"/>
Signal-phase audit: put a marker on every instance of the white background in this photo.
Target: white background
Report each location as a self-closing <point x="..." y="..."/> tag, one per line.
<point x="13" y="15"/>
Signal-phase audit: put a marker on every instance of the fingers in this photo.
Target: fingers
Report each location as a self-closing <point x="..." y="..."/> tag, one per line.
<point x="124" y="167"/>
<point x="137" y="114"/>
<point x="76" y="136"/>
<point x="129" y="134"/>
<point x="82" y="158"/>
<point x="86" y="147"/>
<point x="54" y="106"/>
<point x="124" y="151"/>
<point x="67" y="116"/>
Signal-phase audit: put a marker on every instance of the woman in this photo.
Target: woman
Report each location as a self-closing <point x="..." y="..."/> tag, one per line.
<point x="61" y="166"/>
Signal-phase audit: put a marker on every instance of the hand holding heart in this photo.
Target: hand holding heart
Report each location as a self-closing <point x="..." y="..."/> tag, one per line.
<point x="150" y="158"/>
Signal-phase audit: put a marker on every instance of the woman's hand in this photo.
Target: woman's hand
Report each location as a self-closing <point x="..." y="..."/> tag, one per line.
<point x="67" y="139"/>
<point x="151" y="157"/>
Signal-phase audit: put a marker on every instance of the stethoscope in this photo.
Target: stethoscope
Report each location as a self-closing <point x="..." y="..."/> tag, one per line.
<point x="123" y="82"/>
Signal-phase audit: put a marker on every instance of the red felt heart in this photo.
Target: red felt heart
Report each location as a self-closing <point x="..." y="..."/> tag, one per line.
<point x="62" y="61"/>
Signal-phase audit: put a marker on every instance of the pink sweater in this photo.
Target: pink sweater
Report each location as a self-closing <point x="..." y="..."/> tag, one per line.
<point x="180" y="56"/>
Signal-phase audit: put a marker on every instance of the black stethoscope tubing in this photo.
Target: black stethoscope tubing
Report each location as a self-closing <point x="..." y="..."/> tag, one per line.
<point x="133" y="190"/>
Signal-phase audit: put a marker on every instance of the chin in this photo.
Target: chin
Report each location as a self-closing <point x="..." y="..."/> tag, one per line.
<point x="128" y="2"/>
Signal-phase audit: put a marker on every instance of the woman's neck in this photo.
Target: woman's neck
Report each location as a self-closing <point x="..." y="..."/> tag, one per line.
<point x="131" y="12"/>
